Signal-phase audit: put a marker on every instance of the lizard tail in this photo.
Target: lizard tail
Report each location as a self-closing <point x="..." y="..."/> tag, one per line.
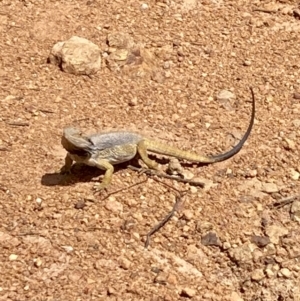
<point x="163" y="149"/>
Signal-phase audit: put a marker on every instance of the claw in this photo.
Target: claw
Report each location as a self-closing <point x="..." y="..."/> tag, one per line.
<point x="100" y="187"/>
<point x="65" y="171"/>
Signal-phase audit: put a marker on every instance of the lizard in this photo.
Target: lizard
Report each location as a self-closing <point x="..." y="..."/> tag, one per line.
<point x="105" y="149"/>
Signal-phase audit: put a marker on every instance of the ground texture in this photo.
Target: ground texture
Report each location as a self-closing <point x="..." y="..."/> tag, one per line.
<point x="59" y="240"/>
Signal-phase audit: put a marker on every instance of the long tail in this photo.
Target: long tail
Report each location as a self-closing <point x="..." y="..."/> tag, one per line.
<point x="164" y="149"/>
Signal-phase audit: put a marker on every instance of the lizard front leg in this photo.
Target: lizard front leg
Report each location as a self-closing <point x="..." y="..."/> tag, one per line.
<point x="66" y="169"/>
<point x="109" y="170"/>
<point x="142" y="151"/>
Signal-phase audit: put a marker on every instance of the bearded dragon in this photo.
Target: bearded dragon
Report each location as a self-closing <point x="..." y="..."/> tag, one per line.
<point x="105" y="149"/>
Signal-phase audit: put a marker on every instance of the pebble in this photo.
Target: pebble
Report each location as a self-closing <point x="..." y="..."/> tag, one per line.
<point x="161" y="278"/>
<point x="39" y="201"/>
<point x="225" y="95"/>
<point x="190" y="126"/>
<point x="187" y="174"/>
<point x="285" y="273"/>
<point x="289" y="144"/>
<point x="113" y="205"/>
<point x="188" y="214"/>
<point x="247" y="63"/>
<point x="37" y="262"/>
<point x="257" y="275"/>
<point x="297" y="95"/>
<point x="13" y="257"/>
<point x="242" y="253"/>
<point x="188" y="292"/>
<point x="275" y="232"/>
<point x="269" y="187"/>
<point x="193" y="189"/>
<point x="144" y="6"/>
<point x="80" y="204"/>
<point x="260" y="241"/>
<point x="294" y="175"/>
<point x="235" y="297"/>
<point x="124" y="263"/>
<point x="295" y="211"/>
<point x="172" y="279"/>
<point x="270" y="273"/>
<point x="133" y="102"/>
<point x="210" y="239"/>
<point x="296" y="123"/>
<point x="68" y="249"/>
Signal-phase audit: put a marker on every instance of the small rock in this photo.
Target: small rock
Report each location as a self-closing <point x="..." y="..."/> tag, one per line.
<point x="120" y="40"/>
<point x="39" y="201"/>
<point x="112" y="291"/>
<point x="275" y="232"/>
<point x="13" y="257"/>
<point x="296" y="123"/>
<point x="190" y="125"/>
<point x="113" y="205"/>
<point x="172" y="279"/>
<point x="247" y="63"/>
<point x="208" y="184"/>
<point x="175" y="117"/>
<point x="269" y="272"/>
<point x="295" y="211"/>
<point x="119" y="54"/>
<point x="296" y="13"/>
<point x="156" y="270"/>
<point x="161" y="278"/>
<point x="257" y="275"/>
<point x="242" y="253"/>
<point x="80" y="204"/>
<point x="225" y="95"/>
<point x="133" y="102"/>
<point x="285" y="273"/>
<point x="187" y="174"/>
<point x="76" y="56"/>
<point x="124" y="263"/>
<point x="269" y="187"/>
<point x="297" y="95"/>
<point x="144" y="6"/>
<point x="187" y="214"/>
<point x="210" y="239"/>
<point x="226" y="245"/>
<point x="289" y="144"/>
<point x="251" y="173"/>
<point x="188" y="292"/>
<point x="235" y="297"/>
<point x="294" y="175"/>
<point x="37" y="262"/>
<point x="68" y="249"/>
<point x="193" y="189"/>
<point x="260" y="241"/>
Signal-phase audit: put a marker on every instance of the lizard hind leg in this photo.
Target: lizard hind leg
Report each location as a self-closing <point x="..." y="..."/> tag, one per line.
<point x="142" y="151"/>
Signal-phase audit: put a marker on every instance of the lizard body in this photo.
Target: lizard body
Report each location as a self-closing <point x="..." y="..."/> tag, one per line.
<point x="104" y="150"/>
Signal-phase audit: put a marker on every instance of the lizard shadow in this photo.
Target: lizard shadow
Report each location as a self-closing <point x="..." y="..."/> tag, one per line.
<point x="80" y="173"/>
<point x="84" y="173"/>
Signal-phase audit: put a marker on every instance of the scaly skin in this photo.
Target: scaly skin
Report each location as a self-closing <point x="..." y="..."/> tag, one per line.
<point x="104" y="150"/>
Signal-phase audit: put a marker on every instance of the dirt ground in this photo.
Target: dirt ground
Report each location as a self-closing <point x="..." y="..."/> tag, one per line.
<point x="59" y="240"/>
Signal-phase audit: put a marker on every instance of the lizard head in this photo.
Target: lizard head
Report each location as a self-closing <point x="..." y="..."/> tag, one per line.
<point x="71" y="131"/>
<point x="73" y="141"/>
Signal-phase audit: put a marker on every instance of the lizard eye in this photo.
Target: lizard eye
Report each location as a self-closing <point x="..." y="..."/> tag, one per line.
<point x="89" y="140"/>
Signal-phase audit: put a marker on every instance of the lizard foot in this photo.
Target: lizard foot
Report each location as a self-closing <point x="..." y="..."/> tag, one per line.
<point x="100" y="187"/>
<point x="65" y="171"/>
<point x="143" y="170"/>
